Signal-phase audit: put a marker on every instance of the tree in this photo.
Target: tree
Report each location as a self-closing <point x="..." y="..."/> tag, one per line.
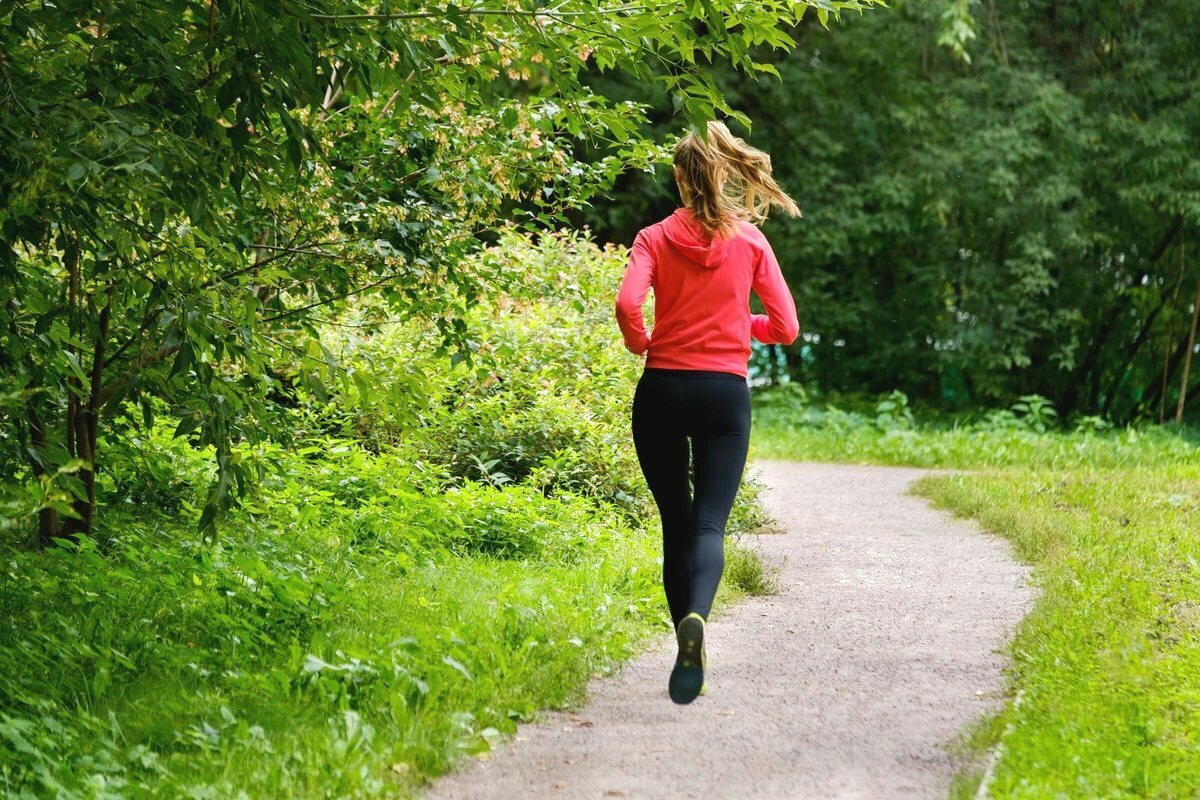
<point x="188" y="190"/>
<point x="984" y="228"/>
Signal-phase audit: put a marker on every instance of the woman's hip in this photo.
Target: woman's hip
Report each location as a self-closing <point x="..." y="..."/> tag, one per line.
<point x="693" y="402"/>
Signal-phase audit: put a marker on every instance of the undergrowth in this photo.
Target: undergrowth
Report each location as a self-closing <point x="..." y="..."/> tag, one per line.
<point x="427" y="559"/>
<point x="789" y="423"/>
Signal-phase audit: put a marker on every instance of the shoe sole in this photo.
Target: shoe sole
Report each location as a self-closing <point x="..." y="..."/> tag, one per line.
<point x="687" y="677"/>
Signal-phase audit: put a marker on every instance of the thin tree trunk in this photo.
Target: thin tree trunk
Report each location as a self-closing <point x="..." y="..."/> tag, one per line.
<point x="1128" y="358"/>
<point x="1069" y="400"/>
<point x="1150" y="396"/>
<point x="47" y="517"/>
<point x="999" y="45"/>
<point x="74" y="388"/>
<point x="1162" y="398"/>
<point x="86" y="430"/>
<point x="1187" y="360"/>
<point x="795" y="365"/>
<point x="1089" y="367"/>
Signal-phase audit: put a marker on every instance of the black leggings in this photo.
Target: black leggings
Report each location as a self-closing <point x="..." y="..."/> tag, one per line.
<point x="713" y="410"/>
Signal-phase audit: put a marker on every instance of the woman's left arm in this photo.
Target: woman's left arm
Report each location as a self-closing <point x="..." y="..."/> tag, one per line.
<point x="780" y="325"/>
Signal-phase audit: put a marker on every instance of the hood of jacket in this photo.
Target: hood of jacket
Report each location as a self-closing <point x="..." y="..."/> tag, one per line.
<point x="691" y="240"/>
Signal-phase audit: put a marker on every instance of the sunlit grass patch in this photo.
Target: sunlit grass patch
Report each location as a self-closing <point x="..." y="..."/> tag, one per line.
<point x="788" y="425"/>
<point x="1108" y="662"/>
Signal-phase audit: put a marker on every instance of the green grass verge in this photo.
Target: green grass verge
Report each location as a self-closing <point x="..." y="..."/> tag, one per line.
<point x="354" y="647"/>
<point x="855" y="439"/>
<point x="1108" y="662"/>
<point x="161" y="684"/>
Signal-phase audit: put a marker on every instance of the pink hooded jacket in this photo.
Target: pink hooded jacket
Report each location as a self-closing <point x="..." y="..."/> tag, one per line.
<point x="702" y="318"/>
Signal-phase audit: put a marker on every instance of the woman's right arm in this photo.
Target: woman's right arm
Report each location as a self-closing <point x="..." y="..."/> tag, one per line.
<point x="780" y="324"/>
<point x="634" y="287"/>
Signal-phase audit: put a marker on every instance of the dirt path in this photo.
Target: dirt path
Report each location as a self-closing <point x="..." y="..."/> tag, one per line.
<point x="850" y="683"/>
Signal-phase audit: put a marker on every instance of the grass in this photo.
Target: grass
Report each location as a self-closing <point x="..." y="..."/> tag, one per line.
<point x="349" y="635"/>
<point x="803" y="432"/>
<point x="1108" y="661"/>
<point x="354" y="631"/>
<point x="745" y="574"/>
<point x="440" y="665"/>
<point x="402" y="670"/>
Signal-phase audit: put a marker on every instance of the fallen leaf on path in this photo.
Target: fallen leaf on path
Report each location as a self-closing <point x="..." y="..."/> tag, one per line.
<point x="560" y="784"/>
<point x="613" y="793"/>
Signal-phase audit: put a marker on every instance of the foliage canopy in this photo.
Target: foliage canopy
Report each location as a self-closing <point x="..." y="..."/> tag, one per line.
<point x="1020" y="221"/>
<point x="189" y="190"/>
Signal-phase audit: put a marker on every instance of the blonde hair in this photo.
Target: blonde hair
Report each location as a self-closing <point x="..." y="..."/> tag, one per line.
<point x="723" y="180"/>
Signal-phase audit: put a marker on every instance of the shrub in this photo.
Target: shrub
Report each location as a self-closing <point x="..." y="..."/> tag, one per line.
<point x="542" y="400"/>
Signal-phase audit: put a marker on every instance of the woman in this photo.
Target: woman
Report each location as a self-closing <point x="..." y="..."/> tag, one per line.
<point x="702" y="262"/>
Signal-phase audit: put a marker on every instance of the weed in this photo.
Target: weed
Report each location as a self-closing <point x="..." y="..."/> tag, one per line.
<point x="745" y="571"/>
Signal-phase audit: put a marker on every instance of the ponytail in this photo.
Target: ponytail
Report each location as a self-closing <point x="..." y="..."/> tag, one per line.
<point x="724" y="180"/>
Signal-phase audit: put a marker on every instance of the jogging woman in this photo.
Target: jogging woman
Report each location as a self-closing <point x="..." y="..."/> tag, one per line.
<point x="702" y="262"/>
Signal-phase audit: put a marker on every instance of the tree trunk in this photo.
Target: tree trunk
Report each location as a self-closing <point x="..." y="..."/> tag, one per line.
<point x="47" y="517"/>
<point x="1187" y="360"/>
<point x="1068" y="401"/>
<point x="1157" y="387"/>
<point x="1162" y="399"/>
<point x="1128" y="357"/>
<point x="795" y="365"/>
<point x="86" y="426"/>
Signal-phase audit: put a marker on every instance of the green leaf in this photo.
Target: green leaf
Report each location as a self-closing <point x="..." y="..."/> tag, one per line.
<point x="458" y="666"/>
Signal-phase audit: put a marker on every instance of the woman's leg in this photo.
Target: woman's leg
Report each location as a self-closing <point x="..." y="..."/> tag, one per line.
<point x="719" y="449"/>
<point x="662" y="450"/>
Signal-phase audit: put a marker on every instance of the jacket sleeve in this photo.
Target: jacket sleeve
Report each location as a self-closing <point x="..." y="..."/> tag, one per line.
<point x="780" y="324"/>
<point x="634" y="287"/>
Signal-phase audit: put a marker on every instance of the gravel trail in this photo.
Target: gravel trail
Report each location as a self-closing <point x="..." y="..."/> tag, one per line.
<point x="851" y="682"/>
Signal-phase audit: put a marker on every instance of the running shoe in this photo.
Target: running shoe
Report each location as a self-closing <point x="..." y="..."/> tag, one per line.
<point x="687" y="678"/>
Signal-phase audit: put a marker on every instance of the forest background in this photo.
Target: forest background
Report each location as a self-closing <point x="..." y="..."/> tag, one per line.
<point x="315" y="476"/>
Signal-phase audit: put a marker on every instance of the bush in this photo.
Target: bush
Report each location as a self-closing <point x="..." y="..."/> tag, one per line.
<point x="433" y="553"/>
<point x="328" y="625"/>
<point x="543" y="399"/>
